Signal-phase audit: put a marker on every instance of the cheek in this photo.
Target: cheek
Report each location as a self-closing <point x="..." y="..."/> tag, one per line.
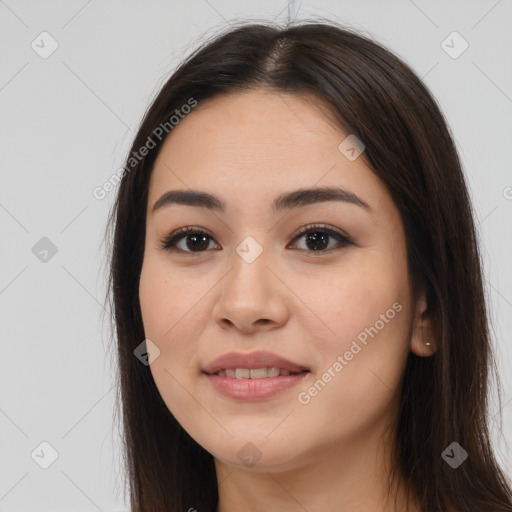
<point x="164" y="310"/>
<point x="166" y="299"/>
<point x="365" y="348"/>
<point x="359" y="382"/>
<point x="345" y="303"/>
<point x="171" y="308"/>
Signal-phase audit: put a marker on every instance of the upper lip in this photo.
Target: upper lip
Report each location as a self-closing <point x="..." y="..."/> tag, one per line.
<point x="251" y="360"/>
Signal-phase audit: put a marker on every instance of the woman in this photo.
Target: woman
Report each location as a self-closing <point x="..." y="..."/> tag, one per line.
<point x="297" y="287"/>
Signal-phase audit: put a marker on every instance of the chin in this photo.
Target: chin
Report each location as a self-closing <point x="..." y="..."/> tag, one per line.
<point x="255" y="453"/>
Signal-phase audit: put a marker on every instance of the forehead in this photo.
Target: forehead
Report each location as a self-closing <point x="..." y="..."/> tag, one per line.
<point x="255" y="144"/>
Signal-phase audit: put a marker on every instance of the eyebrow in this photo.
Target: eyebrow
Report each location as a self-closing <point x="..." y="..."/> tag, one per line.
<point x="286" y="201"/>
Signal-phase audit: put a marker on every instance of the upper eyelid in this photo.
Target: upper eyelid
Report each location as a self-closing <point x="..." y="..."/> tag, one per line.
<point x="177" y="235"/>
<point x="186" y="230"/>
<point x="308" y="227"/>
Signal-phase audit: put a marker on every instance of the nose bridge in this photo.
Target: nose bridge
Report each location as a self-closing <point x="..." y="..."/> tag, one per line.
<point x="249" y="269"/>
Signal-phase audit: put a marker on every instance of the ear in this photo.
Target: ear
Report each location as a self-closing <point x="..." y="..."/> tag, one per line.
<point x="423" y="341"/>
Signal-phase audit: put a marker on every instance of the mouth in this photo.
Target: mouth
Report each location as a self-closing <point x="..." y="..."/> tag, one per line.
<point x="254" y="384"/>
<point x="252" y="365"/>
<point x="250" y="376"/>
<point x="256" y="373"/>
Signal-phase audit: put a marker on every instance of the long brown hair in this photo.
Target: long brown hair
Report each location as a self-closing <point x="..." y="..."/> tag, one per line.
<point x="377" y="97"/>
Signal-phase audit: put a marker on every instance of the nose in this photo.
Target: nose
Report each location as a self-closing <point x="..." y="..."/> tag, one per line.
<point x="252" y="298"/>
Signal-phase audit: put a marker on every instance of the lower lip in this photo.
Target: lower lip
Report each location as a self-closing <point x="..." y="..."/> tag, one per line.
<point x="254" y="389"/>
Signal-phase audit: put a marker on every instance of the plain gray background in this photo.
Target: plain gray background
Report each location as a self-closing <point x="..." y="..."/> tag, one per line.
<point x="66" y="122"/>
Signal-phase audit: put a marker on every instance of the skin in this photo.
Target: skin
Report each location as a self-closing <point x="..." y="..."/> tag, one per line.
<point x="333" y="453"/>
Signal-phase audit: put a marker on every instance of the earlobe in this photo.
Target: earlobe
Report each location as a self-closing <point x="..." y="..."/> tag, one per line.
<point x="423" y="342"/>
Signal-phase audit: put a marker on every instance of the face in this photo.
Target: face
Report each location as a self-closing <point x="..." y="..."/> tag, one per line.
<point x="334" y="299"/>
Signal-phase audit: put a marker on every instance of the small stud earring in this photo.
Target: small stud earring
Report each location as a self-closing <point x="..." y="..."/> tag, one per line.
<point x="428" y="343"/>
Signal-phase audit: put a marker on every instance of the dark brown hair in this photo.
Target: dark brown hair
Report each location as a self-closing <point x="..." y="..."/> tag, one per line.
<point x="374" y="95"/>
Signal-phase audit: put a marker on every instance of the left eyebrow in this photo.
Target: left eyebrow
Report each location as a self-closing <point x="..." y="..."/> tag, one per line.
<point x="286" y="201"/>
<point x="307" y="196"/>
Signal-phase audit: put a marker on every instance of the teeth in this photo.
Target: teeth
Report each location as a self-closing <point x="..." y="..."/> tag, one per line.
<point x="273" y="372"/>
<point x="242" y="373"/>
<point x="258" y="373"/>
<point x="253" y="373"/>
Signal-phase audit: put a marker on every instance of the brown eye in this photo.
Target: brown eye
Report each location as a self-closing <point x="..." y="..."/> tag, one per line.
<point x="317" y="238"/>
<point x="195" y="240"/>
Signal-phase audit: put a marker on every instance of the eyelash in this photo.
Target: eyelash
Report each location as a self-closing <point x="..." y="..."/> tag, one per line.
<point x="168" y="243"/>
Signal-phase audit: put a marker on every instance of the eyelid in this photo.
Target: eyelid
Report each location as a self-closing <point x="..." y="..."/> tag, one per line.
<point x="343" y="239"/>
<point x="325" y="227"/>
<point x="168" y="242"/>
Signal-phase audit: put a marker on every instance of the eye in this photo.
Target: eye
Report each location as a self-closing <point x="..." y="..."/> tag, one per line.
<point x="318" y="238"/>
<point x="197" y="240"/>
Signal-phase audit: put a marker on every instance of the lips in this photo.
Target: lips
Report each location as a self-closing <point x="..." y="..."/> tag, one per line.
<point x="252" y="360"/>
